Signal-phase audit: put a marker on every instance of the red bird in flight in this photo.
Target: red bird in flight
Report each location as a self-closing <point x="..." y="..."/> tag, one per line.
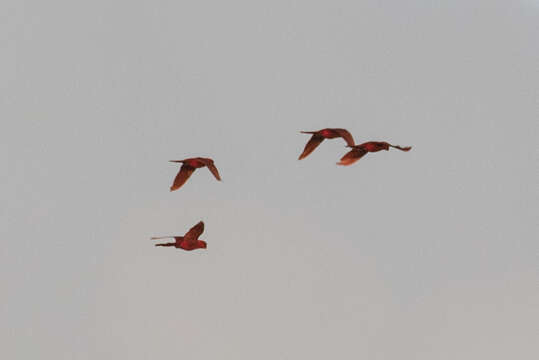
<point x="358" y="151"/>
<point x="190" y="165"/>
<point x="320" y="135"/>
<point x="187" y="242"/>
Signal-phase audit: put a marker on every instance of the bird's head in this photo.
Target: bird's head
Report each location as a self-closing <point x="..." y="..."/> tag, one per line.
<point x="202" y="244"/>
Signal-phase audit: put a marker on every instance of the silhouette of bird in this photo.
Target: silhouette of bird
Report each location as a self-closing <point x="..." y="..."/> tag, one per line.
<point x="190" y="165"/>
<point x="320" y="135"/>
<point x="187" y="242"/>
<point x="358" y="151"/>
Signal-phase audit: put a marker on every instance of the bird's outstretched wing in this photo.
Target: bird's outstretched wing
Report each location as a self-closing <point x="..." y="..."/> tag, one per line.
<point x="211" y="166"/>
<point x="193" y="233"/>
<point x="184" y="174"/>
<point x="352" y="156"/>
<point x="346" y="136"/>
<point x="214" y="171"/>
<point x="311" y="145"/>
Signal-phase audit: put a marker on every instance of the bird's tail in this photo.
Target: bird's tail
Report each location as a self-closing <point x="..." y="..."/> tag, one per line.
<point x="161" y="237"/>
<point x="308" y="132"/>
<point x="166" y="244"/>
<point x="405" y="148"/>
<point x="177" y="161"/>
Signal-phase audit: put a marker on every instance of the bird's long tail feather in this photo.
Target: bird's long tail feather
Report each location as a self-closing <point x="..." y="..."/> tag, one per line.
<point x="177" y="161"/>
<point x="166" y="244"/>
<point x="308" y="132"/>
<point x="405" y="148"/>
<point x="161" y="237"/>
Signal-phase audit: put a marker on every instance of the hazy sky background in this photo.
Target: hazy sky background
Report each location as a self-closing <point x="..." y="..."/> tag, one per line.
<point x="430" y="254"/>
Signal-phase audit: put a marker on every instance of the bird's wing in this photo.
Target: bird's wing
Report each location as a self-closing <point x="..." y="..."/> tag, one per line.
<point x="352" y="156"/>
<point x="211" y="166"/>
<point x="193" y="233"/>
<point x="346" y="136"/>
<point x="311" y="145"/>
<point x="184" y="174"/>
<point x="214" y="171"/>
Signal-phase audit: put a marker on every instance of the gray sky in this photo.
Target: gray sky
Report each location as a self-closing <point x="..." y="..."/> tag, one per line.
<point x="430" y="254"/>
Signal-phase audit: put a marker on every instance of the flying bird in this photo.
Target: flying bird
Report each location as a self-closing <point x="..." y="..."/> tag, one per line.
<point x="358" y="151"/>
<point x="187" y="242"/>
<point x="190" y="165"/>
<point x="320" y="135"/>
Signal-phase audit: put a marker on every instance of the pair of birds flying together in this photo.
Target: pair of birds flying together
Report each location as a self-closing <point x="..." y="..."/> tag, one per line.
<point x="357" y="152"/>
<point x="190" y="240"/>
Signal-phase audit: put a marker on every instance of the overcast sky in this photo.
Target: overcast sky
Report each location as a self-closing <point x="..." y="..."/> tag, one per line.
<point x="430" y="254"/>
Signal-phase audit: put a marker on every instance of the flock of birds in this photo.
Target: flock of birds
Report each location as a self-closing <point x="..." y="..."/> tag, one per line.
<point x="190" y="241"/>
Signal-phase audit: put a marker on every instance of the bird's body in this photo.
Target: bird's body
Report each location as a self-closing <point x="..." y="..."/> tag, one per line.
<point x="187" y="242"/>
<point x="189" y="166"/>
<point x="358" y="151"/>
<point x="320" y="135"/>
